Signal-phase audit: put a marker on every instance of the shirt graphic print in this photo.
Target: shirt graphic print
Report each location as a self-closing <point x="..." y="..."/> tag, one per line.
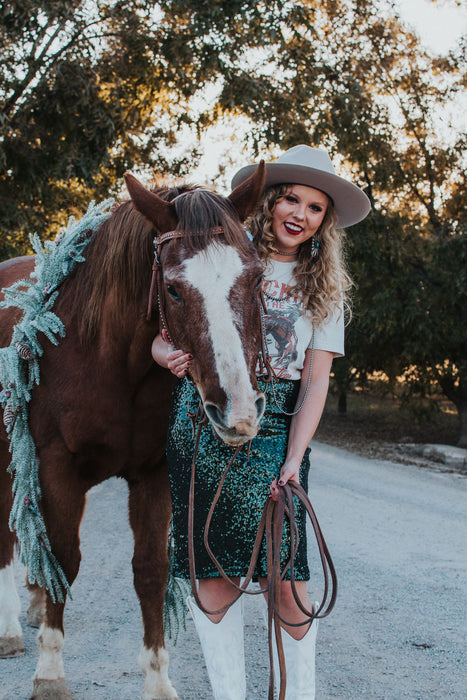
<point x="289" y="331"/>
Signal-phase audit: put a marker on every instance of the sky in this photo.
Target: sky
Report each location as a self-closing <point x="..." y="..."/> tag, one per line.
<point x="439" y="26"/>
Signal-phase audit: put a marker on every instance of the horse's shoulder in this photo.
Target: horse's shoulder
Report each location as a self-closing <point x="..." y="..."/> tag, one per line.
<point x="15" y="269"/>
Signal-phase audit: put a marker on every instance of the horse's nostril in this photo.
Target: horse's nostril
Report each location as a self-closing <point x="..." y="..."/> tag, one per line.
<point x="260" y="404"/>
<point x="214" y="414"/>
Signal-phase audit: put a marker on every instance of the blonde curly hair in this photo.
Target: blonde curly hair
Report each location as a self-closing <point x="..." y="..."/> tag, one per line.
<point x="323" y="281"/>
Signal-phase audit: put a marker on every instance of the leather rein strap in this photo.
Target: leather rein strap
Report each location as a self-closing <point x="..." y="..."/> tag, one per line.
<point x="271" y="527"/>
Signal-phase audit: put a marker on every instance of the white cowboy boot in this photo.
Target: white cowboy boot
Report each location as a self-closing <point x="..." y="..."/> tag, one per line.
<point x="299" y="655"/>
<point x="223" y="650"/>
<point x="300" y="664"/>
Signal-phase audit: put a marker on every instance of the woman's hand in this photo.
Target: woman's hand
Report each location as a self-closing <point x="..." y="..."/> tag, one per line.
<point x="179" y="362"/>
<point x="163" y="352"/>
<point x="305" y="422"/>
<point x="290" y="472"/>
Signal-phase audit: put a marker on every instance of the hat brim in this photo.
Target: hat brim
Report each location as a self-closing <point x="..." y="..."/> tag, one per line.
<point x="350" y="202"/>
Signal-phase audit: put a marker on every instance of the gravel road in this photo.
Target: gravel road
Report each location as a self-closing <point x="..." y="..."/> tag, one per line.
<point x="397" y="535"/>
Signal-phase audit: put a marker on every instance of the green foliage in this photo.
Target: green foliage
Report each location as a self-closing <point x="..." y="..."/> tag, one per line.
<point x="82" y="86"/>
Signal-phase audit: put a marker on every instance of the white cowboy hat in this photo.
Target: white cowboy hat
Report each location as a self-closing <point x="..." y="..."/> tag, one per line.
<point x="303" y="165"/>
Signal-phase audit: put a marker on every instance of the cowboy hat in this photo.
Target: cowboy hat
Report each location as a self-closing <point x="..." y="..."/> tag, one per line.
<point x="303" y="165"/>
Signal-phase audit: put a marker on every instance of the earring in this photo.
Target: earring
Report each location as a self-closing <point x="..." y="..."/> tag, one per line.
<point x="314" y="247"/>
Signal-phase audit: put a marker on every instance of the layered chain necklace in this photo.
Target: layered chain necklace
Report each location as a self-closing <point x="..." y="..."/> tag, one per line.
<point x="287" y="297"/>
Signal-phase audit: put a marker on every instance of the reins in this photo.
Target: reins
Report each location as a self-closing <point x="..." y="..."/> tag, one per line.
<point x="271" y="525"/>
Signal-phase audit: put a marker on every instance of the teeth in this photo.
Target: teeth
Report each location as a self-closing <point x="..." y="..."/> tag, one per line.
<point x="293" y="227"/>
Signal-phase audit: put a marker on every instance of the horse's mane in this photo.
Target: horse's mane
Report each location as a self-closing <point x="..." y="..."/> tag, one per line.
<point x="118" y="262"/>
<point x="119" y="258"/>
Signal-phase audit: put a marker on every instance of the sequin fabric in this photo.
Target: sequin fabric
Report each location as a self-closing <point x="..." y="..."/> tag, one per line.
<point x="236" y="518"/>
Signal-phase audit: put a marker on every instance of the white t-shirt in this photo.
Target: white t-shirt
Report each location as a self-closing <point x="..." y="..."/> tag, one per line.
<point x="289" y="331"/>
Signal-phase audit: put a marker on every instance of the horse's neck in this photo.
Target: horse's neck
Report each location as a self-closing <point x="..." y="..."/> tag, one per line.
<point x="122" y="341"/>
<point x="139" y="358"/>
<point x="126" y="345"/>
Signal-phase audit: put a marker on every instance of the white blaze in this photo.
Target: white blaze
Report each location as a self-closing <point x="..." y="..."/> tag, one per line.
<point x="213" y="273"/>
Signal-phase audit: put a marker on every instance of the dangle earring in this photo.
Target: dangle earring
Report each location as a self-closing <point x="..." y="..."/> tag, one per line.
<point x="314" y="247"/>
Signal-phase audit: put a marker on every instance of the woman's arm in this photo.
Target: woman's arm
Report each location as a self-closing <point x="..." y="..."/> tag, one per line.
<point x="303" y="425"/>
<point x="165" y="355"/>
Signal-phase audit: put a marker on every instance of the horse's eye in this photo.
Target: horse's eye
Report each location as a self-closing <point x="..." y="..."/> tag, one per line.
<point x="173" y="292"/>
<point x="258" y="282"/>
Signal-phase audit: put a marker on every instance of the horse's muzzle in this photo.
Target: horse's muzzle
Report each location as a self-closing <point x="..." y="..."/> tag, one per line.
<point x="236" y="428"/>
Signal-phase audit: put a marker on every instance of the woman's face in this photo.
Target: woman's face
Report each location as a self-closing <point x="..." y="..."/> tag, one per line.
<point x="297" y="216"/>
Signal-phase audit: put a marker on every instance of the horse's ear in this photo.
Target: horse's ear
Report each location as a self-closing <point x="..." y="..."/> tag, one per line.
<point x="246" y="196"/>
<point x="159" y="212"/>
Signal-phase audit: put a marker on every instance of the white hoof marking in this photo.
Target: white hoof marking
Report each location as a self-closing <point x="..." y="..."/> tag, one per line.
<point x="10" y="606"/>
<point x="155" y="667"/>
<point x="50" y="665"/>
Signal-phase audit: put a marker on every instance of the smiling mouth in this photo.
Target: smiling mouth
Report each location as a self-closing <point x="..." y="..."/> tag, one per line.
<point x="293" y="229"/>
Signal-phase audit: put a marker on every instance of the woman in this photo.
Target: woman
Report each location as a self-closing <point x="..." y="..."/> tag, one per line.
<point x="296" y="232"/>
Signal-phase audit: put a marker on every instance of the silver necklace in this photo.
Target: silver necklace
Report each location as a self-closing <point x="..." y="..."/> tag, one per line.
<point x="307" y="387"/>
<point x="287" y="296"/>
<point x="308" y="380"/>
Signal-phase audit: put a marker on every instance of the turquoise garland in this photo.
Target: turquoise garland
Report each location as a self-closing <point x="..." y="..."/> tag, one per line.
<point x="176" y="592"/>
<point x="19" y="371"/>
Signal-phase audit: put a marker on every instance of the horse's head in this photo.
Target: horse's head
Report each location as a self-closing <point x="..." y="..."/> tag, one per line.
<point x="211" y="276"/>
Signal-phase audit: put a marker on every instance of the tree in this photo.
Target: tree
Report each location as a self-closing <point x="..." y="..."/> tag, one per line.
<point x="359" y="82"/>
<point x="67" y="101"/>
<point x="419" y="290"/>
<point x="90" y="89"/>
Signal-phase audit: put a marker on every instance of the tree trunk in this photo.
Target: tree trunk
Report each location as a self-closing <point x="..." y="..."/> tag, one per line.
<point x="342" y="402"/>
<point x="462" y="410"/>
<point x="457" y="393"/>
<point x="343" y="381"/>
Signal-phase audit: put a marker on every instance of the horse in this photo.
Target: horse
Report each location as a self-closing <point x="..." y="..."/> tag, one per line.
<point x="102" y="406"/>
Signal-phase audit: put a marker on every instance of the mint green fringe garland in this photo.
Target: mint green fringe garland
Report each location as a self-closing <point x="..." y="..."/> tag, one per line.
<point x="176" y="592"/>
<point x="19" y="371"/>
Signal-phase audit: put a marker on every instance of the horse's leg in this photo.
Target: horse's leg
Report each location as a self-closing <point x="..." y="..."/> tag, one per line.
<point x="11" y="638"/>
<point x="63" y="506"/>
<point x="149" y="517"/>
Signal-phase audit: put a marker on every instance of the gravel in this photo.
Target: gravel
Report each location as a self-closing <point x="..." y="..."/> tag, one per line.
<point x="397" y="536"/>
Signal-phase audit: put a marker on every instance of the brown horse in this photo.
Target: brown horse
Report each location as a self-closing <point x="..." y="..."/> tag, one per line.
<point x="101" y="408"/>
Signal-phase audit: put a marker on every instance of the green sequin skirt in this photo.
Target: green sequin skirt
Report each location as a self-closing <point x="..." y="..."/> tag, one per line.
<point x="236" y="518"/>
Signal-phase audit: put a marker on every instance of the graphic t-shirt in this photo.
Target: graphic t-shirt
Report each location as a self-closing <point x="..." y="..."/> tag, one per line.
<point x="289" y="330"/>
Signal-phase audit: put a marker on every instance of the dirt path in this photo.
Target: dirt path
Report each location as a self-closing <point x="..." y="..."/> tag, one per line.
<point x="397" y="535"/>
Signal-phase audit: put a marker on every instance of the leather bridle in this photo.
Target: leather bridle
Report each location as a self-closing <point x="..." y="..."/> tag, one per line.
<point x="155" y="291"/>
<point x="156" y="297"/>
